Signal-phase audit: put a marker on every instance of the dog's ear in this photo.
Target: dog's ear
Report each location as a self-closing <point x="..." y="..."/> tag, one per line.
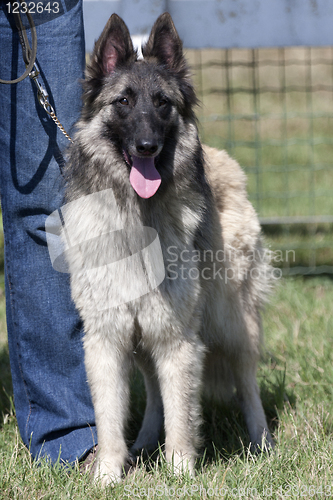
<point x="164" y="43"/>
<point x="113" y="48"/>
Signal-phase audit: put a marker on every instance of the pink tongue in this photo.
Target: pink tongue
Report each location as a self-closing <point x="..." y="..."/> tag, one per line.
<point x="144" y="177"/>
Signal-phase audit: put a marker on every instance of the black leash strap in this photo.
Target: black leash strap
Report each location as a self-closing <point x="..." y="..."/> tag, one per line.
<point x="32" y="70"/>
<point x="29" y="54"/>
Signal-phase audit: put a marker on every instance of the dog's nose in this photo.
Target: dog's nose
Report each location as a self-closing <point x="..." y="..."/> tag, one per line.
<point x="146" y="147"/>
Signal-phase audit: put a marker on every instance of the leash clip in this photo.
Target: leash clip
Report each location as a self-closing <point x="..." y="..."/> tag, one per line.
<point x="43" y="96"/>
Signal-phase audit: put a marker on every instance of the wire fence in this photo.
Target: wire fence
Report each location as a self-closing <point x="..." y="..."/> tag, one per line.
<point x="272" y="110"/>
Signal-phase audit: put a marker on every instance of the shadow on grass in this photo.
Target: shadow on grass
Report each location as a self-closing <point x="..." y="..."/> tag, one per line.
<point x="305" y="245"/>
<point x="6" y="388"/>
<point x="300" y="229"/>
<point x="224" y="430"/>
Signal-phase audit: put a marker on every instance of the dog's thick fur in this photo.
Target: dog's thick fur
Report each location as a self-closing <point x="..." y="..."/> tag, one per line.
<point x="200" y="328"/>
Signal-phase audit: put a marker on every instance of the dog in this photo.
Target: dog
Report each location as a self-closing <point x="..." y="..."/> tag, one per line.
<point x="167" y="266"/>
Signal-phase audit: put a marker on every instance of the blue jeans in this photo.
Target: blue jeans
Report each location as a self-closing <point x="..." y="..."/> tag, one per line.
<point x="52" y="398"/>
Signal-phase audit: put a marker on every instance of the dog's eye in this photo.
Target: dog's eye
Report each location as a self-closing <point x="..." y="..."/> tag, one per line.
<point x="162" y="101"/>
<point x="124" y="101"/>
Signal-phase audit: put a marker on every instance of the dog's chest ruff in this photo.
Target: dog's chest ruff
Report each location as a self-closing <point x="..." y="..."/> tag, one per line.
<point x="116" y="260"/>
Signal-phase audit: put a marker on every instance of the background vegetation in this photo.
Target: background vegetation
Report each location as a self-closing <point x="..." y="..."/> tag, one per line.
<point x="272" y="110"/>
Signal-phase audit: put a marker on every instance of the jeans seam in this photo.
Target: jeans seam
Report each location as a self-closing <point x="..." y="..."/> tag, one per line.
<point x="14" y="325"/>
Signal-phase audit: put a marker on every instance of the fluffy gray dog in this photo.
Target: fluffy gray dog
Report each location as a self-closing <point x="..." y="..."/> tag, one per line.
<point x="167" y="267"/>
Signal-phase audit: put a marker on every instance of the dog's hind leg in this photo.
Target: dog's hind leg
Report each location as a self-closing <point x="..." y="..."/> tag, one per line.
<point x="232" y="364"/>
<point x="244" y="372"/>
<point x="225" y="374"/>
<point x="179" y="369"/>
<point x="149" y="434"/>
<point x="243" y="362"/>
<point x="251" y="405"/>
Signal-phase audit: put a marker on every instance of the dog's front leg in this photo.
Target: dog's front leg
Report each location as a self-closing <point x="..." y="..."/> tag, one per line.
<point x="107" y="366"/>
<point x="179" y="369"/>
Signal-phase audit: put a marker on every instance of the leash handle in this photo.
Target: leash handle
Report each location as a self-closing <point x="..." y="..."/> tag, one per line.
<point x="32" y="70"/>
<point x="29" y="54"/>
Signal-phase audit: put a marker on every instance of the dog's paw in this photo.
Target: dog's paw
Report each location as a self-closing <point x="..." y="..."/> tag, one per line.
<point x="264" y="444"/>
<point x="108" y="471"/>
<point x="182" y="464"/>
<point x="130" y="465"/>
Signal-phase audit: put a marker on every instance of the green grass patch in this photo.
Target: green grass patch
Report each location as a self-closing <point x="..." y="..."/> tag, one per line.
<point x="296" y="382"/>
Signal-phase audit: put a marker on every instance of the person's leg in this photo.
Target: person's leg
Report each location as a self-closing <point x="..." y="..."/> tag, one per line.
<point x="52" y="399"/>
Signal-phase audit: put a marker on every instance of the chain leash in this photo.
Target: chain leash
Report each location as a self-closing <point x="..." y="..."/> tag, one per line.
<point x="43" y="99"/>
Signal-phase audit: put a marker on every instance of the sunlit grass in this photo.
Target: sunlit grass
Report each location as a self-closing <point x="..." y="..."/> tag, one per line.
<point x="296" y="380"/>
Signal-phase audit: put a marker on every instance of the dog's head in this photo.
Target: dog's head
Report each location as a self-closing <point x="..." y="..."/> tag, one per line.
<point x="140" y="102"/>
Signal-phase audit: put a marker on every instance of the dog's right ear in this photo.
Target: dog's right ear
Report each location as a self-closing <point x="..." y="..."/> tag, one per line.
<point x="113" y="48"/>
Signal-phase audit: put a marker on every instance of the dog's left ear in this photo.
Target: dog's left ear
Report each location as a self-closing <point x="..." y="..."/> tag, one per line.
<point x="164" y="44"/>
<point x="113" y="48"/>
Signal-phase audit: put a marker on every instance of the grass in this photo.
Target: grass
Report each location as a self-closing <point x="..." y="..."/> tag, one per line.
<point x="296" y="381"/>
